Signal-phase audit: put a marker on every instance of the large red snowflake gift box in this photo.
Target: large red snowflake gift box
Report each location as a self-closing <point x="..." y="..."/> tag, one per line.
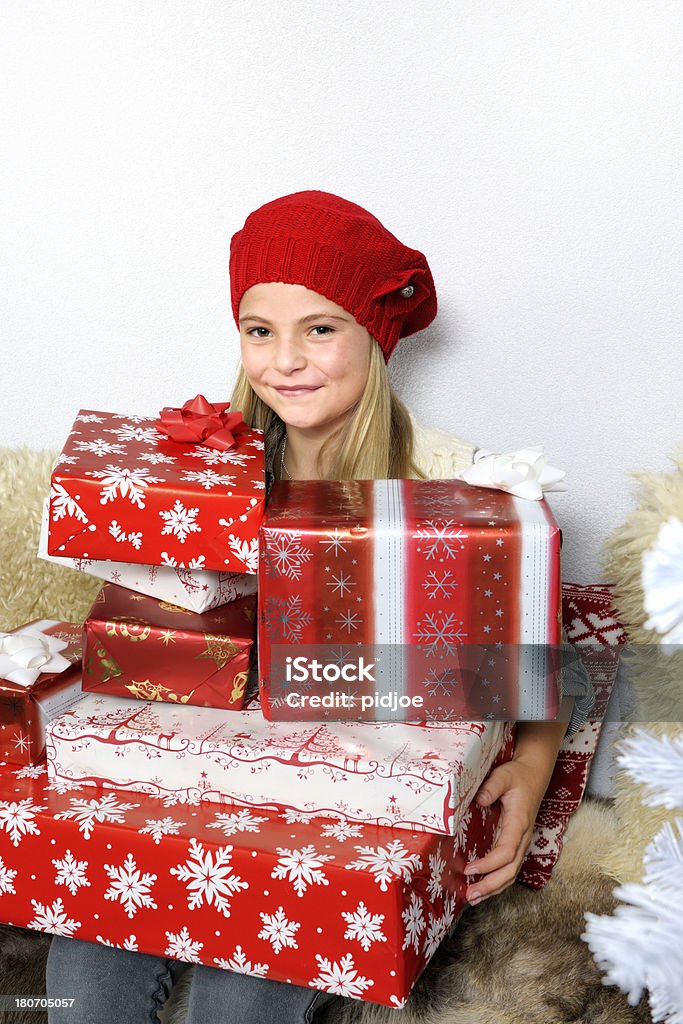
<point x="198" y="590"/>
<point x="238" y="889"/>
<point x="389" y="773"/>
<point x="40" y="677"/>
<point x="450" y="592"/>
<point x="137" y="646"/>
<point x="123" y="489"/>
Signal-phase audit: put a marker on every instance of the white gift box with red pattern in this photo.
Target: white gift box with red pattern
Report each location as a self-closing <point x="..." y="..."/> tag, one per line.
<point x="408" y="775"/>
<point x="124" y="491"/>
<point x="238" y="889"/>
<point x="198" y="590"/>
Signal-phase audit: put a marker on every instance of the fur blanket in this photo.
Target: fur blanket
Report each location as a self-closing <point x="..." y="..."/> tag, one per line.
<point x="515" y="959"/>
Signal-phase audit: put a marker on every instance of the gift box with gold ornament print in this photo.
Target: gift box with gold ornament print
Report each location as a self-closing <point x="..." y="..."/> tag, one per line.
<point x="138" y="646"/>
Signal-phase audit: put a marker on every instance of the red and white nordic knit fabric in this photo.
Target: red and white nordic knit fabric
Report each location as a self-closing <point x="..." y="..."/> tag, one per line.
<point x="389" y="773"/>
<point x="236" y="888"/>
<point x="591" y="624"/>
<point x="26" y="710"/>
<point x="429" y="567"/>
<point x="198" y="590"/>
<point x="121" y="490"/>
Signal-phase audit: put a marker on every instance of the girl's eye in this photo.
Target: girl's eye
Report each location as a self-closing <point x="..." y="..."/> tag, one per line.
<point x="318" y="327"/>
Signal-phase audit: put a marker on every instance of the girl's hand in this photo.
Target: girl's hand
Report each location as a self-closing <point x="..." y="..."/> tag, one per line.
<point x="516" y="785"/>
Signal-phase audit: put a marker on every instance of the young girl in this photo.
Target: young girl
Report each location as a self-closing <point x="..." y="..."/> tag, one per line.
<point x="321" y="293"/>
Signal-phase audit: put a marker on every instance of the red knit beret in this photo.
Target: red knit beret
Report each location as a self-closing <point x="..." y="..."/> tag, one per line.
<point x="341" y="251"/>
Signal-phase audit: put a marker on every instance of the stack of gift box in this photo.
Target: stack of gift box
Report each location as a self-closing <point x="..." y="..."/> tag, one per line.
<point x="185" y="810"/>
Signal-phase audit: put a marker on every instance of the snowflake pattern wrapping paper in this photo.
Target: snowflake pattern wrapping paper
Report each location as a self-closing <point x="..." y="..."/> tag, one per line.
<point x="123" y="491"/>
<point x="389" y="773"/>
<point x="428" y="571"/>
<point x="137" y="646"/>
<point x="188" y="586"/>
<point x="25" y="710"/>
<point x="236" y="888"/>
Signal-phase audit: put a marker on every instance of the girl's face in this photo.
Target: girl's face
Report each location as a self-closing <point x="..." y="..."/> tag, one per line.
<point x="305" y="357"/>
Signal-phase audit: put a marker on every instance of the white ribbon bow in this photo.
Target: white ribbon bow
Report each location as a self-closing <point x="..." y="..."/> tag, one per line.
<point x="524" y="473"/>
<point x="24" y="656"/>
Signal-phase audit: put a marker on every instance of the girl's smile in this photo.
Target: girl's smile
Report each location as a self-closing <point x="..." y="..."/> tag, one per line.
<point x="296" y="392"/>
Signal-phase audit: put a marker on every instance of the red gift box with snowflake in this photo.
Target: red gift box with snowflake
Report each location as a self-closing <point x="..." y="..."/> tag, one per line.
<point x="198" y="590"/>
<point x="388" y="773"/>
<point x="451" y="591"/>
<point x="238" y="889"/>
<point x="139" y="646"/>
<point x="30" y="698"/>
<point x="125" y="491"/>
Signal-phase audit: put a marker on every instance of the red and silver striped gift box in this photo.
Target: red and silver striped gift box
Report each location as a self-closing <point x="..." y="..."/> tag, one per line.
<point x="423" y="572"/>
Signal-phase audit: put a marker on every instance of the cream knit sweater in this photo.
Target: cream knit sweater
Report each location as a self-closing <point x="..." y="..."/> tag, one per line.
<point x="439" y="454"/>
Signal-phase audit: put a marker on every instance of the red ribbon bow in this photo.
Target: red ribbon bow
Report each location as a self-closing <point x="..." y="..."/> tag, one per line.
<point x="201" y="422"/>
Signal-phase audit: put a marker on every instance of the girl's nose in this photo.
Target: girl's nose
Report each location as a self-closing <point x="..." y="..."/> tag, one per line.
<point x="288" y="354"/>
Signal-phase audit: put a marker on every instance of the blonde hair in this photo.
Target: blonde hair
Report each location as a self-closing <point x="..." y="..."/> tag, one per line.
<point x="375" y="442"/>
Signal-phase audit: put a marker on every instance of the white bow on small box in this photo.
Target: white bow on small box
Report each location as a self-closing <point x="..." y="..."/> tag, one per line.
<point x="524" y="473"/>
<point x="24" y="656"/>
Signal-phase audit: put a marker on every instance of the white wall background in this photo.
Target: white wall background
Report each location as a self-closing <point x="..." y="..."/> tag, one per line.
<point x="532" y="150"/>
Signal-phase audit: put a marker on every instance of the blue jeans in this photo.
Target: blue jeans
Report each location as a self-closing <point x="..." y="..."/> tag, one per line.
<point x="115" y="986"/>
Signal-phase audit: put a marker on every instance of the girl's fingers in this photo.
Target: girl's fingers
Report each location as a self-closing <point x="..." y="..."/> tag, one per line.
<point x="493" y="787"/>
<point x="501" y="855"/>
<point x="500" y="867"/>
<point x="495" y="882"/>
<point x="514" y="835"/>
